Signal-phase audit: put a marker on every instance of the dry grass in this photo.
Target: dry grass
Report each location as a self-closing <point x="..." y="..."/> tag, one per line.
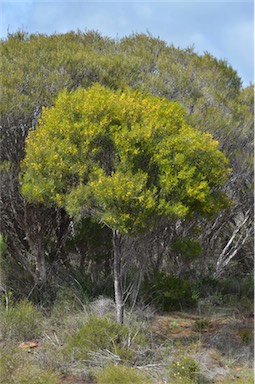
<point x="220" y="344"/>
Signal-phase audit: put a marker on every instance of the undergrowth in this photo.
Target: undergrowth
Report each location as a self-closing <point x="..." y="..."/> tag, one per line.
<point x="16" y="367"/>
<point x="21" y="321"/>
<point x="120" y="374"/>
<point x="86" y="344"/>
<point x="105" y="334"/>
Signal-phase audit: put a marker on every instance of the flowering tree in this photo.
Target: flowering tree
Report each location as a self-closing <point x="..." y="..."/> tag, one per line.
<point x="126" y="159"/>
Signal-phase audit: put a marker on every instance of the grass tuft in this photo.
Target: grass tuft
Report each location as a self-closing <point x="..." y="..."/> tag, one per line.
<point x="22" y="321"/>
<point x="105" y="334"/>
<point x="120" y="374"/>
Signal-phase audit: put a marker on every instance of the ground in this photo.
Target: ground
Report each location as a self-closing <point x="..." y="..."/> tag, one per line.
<point x="219" y="340"/>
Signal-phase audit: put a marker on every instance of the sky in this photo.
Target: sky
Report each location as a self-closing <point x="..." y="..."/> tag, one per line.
<point x="223" y="28"/>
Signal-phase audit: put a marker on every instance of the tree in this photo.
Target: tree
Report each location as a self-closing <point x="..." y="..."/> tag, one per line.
<point x="125" y="159"/>
<point x="36" y="67"/>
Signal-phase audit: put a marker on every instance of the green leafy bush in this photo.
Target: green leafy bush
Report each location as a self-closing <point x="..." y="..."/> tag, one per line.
<point x="189" y="249"/>
<point x="35" y="375"/>
<point x="185" y="370"/>
<point x="234" y="286"/>
<point x="120" y="374"/>
<point x="17" y="368"/>
<point x="10" y="359"/>
<point x="22" y="321"/>
<point x="169" y="292"/>
<point x="103" y="333"/>
<point x="226" y="288"/>
<point x="247" y="335"/>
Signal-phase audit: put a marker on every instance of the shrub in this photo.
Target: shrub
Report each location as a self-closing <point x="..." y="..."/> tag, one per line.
<point x="102" y="306"/>
<point x="120" y="374"/>
<point x="189" y="249"/>
<point x="69" y="300"/>
<point x="169" y="292"/>
<point x="104" y="333"/>
<point x="185" y="370"/>
<point x="35" y="375"/>
<point x="10" y="359"/>
<point x="16" y="368"/>
<point x="241" y="287"/>
<point x="207" y="286"/>
<point x="247" y="335"/>
<point x="201" y="325"/>
<point x="22" y="321"/>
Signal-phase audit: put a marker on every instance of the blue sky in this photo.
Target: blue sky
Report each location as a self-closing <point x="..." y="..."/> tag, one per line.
<point x="225" y="29"/>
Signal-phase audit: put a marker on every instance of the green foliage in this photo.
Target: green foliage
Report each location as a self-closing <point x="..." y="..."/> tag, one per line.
<point x="226" y="287"/>
<point x="93" y="242"/>
<point x="2" y="245"/>
<point x="69" y="300"/>
<point x="169" y="292"/>
<point x="239" y="287"/>
<point x="103" y="333"/>
<point x="10" y="359"/>
<point x="120" y="374"/>
<point x="247" y="335"/>
<point x="201" y="325"/>
<point x="35" y="68"/>
<point x="185" y="370"/>
<point x="22" y="321"/>
<point x="187" y="248"/>
<point x="123" y="157"/>
<point x="174" y="324"/>
<point x="17" y="368"/>
<point x="207" y="286"/>
<point x="240" y="380"/>
<point x="91" y="237"/>
<point x="35" y="375"/>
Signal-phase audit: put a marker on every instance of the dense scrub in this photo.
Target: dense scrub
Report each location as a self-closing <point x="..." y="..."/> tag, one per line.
<point x="44" y="240"/>
<point x="54" y="267"/>
<point x="80" y="345"/>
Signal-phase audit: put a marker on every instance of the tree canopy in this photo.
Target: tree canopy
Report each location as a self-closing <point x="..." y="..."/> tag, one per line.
<point x="124" y="158"/>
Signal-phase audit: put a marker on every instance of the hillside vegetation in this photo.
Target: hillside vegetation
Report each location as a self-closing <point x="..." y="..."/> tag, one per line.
<point x="80" y="342"/>
<point x="127" y="161"/>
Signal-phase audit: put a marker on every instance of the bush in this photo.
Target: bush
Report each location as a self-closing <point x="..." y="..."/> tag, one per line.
<point x="16" y="368"/>
<point x="35" y="375"/>
<point x="230" y="286"/>
<point x="69" y="300"/>
<point x="185" y="370"/>
<point x="241" y="287"/>
<point x="169" y="292"/>
<point x="10" y="359"/>
<point x="22" y="321"/>
<point x="247" y="335"/>
<point x="208" y="286"/>
<point x="188" y="249"/>
<point x="102" y="306"/>
<point x="104" y="333"/>
<point x="119" y="374"/>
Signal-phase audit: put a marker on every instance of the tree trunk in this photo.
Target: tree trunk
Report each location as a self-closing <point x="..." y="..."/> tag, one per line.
<point x="117" y="260"/>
